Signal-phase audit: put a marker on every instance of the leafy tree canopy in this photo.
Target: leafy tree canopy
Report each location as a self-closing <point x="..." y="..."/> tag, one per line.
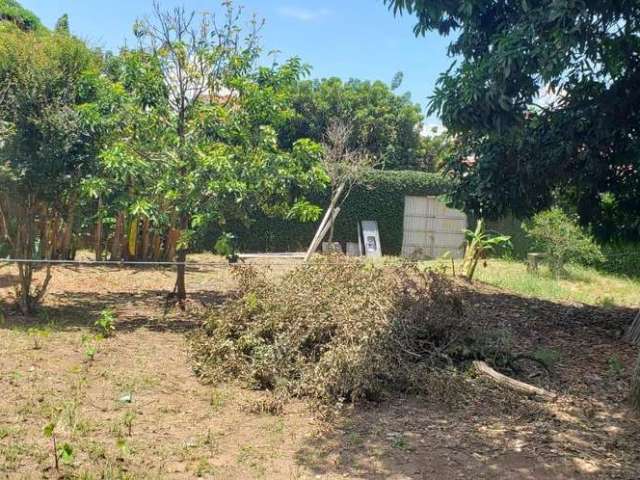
<point x="62" y="24"/>
<point x="384" y="124"/>
<point x="544" y="97"/>
<point x="11" y="11"/>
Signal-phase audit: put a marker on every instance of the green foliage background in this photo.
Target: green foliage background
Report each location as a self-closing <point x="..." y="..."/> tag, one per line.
<point x="380" y="198"/>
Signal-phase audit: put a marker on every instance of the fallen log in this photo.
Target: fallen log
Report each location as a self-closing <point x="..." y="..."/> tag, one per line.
<point x="516" y="385"/>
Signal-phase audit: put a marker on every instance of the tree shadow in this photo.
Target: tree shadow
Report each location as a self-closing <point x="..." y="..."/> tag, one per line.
<point x="495" y="433"/>
<point x="8" y="280"/>
<point x="69" y="310"/>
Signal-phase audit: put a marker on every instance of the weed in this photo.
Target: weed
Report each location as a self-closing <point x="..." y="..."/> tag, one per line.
<point x="106" y="322"/>
<point x="616" y="367"/>
<point x="123" y="446"/>
<point x="217" y="399"/>
<point x="204" y="468"/>
<point x="37" y="334"/>
<point x="65" y="453"/>
<point x="90" y="352"/>
<point x="547" y="357"/>
<point x="354" y="439"/>
<point x="400" y="442"/>
<point x="606" y="301"/>
<point x="90" y="348"/>
<point x="129" y="416"/>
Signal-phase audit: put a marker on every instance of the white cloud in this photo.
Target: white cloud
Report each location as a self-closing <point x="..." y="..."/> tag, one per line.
<point x="303" y="14"/>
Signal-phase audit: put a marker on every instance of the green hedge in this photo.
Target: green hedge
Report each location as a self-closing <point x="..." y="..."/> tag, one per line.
<point x="380" y="198"/>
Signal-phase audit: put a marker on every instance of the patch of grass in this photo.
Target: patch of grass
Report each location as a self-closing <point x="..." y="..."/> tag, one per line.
<point x="217" y="400"/>
<point x="399" y="442"/>
<point x="547" y="356"/>
<point x="616" y="367"/>
<point x="580" y="284"/>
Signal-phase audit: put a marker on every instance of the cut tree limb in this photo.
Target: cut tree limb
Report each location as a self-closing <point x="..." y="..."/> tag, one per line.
<point x="516" y="385"/>
<point x="633" y="333"/>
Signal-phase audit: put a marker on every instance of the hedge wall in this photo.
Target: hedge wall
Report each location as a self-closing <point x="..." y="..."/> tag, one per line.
<point x="380" y="198"/>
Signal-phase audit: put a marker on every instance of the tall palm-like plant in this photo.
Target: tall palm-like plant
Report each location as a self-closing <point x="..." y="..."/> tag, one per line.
<point x="479" y="244"/>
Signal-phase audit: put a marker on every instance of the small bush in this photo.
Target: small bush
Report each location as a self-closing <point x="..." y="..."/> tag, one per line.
<point x="562" y="240"/>
<point x="334" y="330"/>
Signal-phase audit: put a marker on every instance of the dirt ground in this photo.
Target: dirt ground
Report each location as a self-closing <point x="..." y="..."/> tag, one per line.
<point x="136" y="410"/>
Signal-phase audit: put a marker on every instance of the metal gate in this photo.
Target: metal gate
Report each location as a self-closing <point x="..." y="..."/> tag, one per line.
<point x="431" y="229"/>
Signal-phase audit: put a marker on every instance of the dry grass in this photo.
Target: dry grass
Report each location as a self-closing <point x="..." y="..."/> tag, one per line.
<point x="183" y="429"/>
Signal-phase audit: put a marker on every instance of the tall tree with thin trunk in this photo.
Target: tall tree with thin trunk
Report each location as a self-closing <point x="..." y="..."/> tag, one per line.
<point x="198" y="140"/>
<point x="197" y="56"/>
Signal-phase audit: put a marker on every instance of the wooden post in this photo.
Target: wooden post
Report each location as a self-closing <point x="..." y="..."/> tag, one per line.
<point x="325" y="225"/>
<point x="98" y="235"/>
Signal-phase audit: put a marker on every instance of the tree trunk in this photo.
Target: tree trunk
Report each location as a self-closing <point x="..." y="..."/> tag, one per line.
<point x="145" y="245"/>
<point x="181" y="287"/>
<point x="171" y="243"/>
<point x="635" y="388"/>
<point x="132" y="239"/>
<point x="44" y="231"/>
<point x="156" y="246"/>
<point x="67" y="237"/>
<point x="116" y="245"/>
<point x="98" y="233"/>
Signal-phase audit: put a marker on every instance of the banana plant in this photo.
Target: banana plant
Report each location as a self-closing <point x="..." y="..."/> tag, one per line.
<point x="479" y="244"/>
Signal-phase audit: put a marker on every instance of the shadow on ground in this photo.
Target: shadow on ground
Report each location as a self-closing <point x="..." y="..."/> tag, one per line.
<point x="488" y="432"/>
<point x="149" y="309"/>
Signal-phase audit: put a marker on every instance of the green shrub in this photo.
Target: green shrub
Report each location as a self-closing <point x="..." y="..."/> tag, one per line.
<point x="562" y="240"/>
<point x="333" y="329"/>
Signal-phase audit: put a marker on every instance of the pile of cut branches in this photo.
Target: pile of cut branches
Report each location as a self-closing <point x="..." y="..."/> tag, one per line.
<point x="333" y="329"/>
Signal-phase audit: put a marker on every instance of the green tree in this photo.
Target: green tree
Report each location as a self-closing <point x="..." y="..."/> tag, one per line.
<point x="384" y="125"/>
<point x="198" y="140"/>
<point x="562" y="240"/>
<point x="50" y="146"/>
<point x="544" y="96"/>
<point x="11" y="11"/>
<point x="62" y="24"/>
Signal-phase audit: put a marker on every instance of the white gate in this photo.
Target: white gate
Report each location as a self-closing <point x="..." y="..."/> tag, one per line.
<point x="431" y="228"/>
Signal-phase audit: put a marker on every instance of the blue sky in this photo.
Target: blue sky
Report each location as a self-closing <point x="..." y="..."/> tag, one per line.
<point x="343" y="38"/>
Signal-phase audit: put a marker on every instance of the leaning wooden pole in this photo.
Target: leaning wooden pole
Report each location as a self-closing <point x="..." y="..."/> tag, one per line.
<point x="328" y="218"/>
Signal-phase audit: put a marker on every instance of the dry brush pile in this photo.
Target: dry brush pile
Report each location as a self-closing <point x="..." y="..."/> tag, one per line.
<point x="335" y="329"/>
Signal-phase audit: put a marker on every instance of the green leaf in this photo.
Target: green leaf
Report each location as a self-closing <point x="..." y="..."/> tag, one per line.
<point x="48" y="429"/>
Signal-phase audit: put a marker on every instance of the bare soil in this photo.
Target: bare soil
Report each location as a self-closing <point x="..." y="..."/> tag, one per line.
<point x="137" y="410"/>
